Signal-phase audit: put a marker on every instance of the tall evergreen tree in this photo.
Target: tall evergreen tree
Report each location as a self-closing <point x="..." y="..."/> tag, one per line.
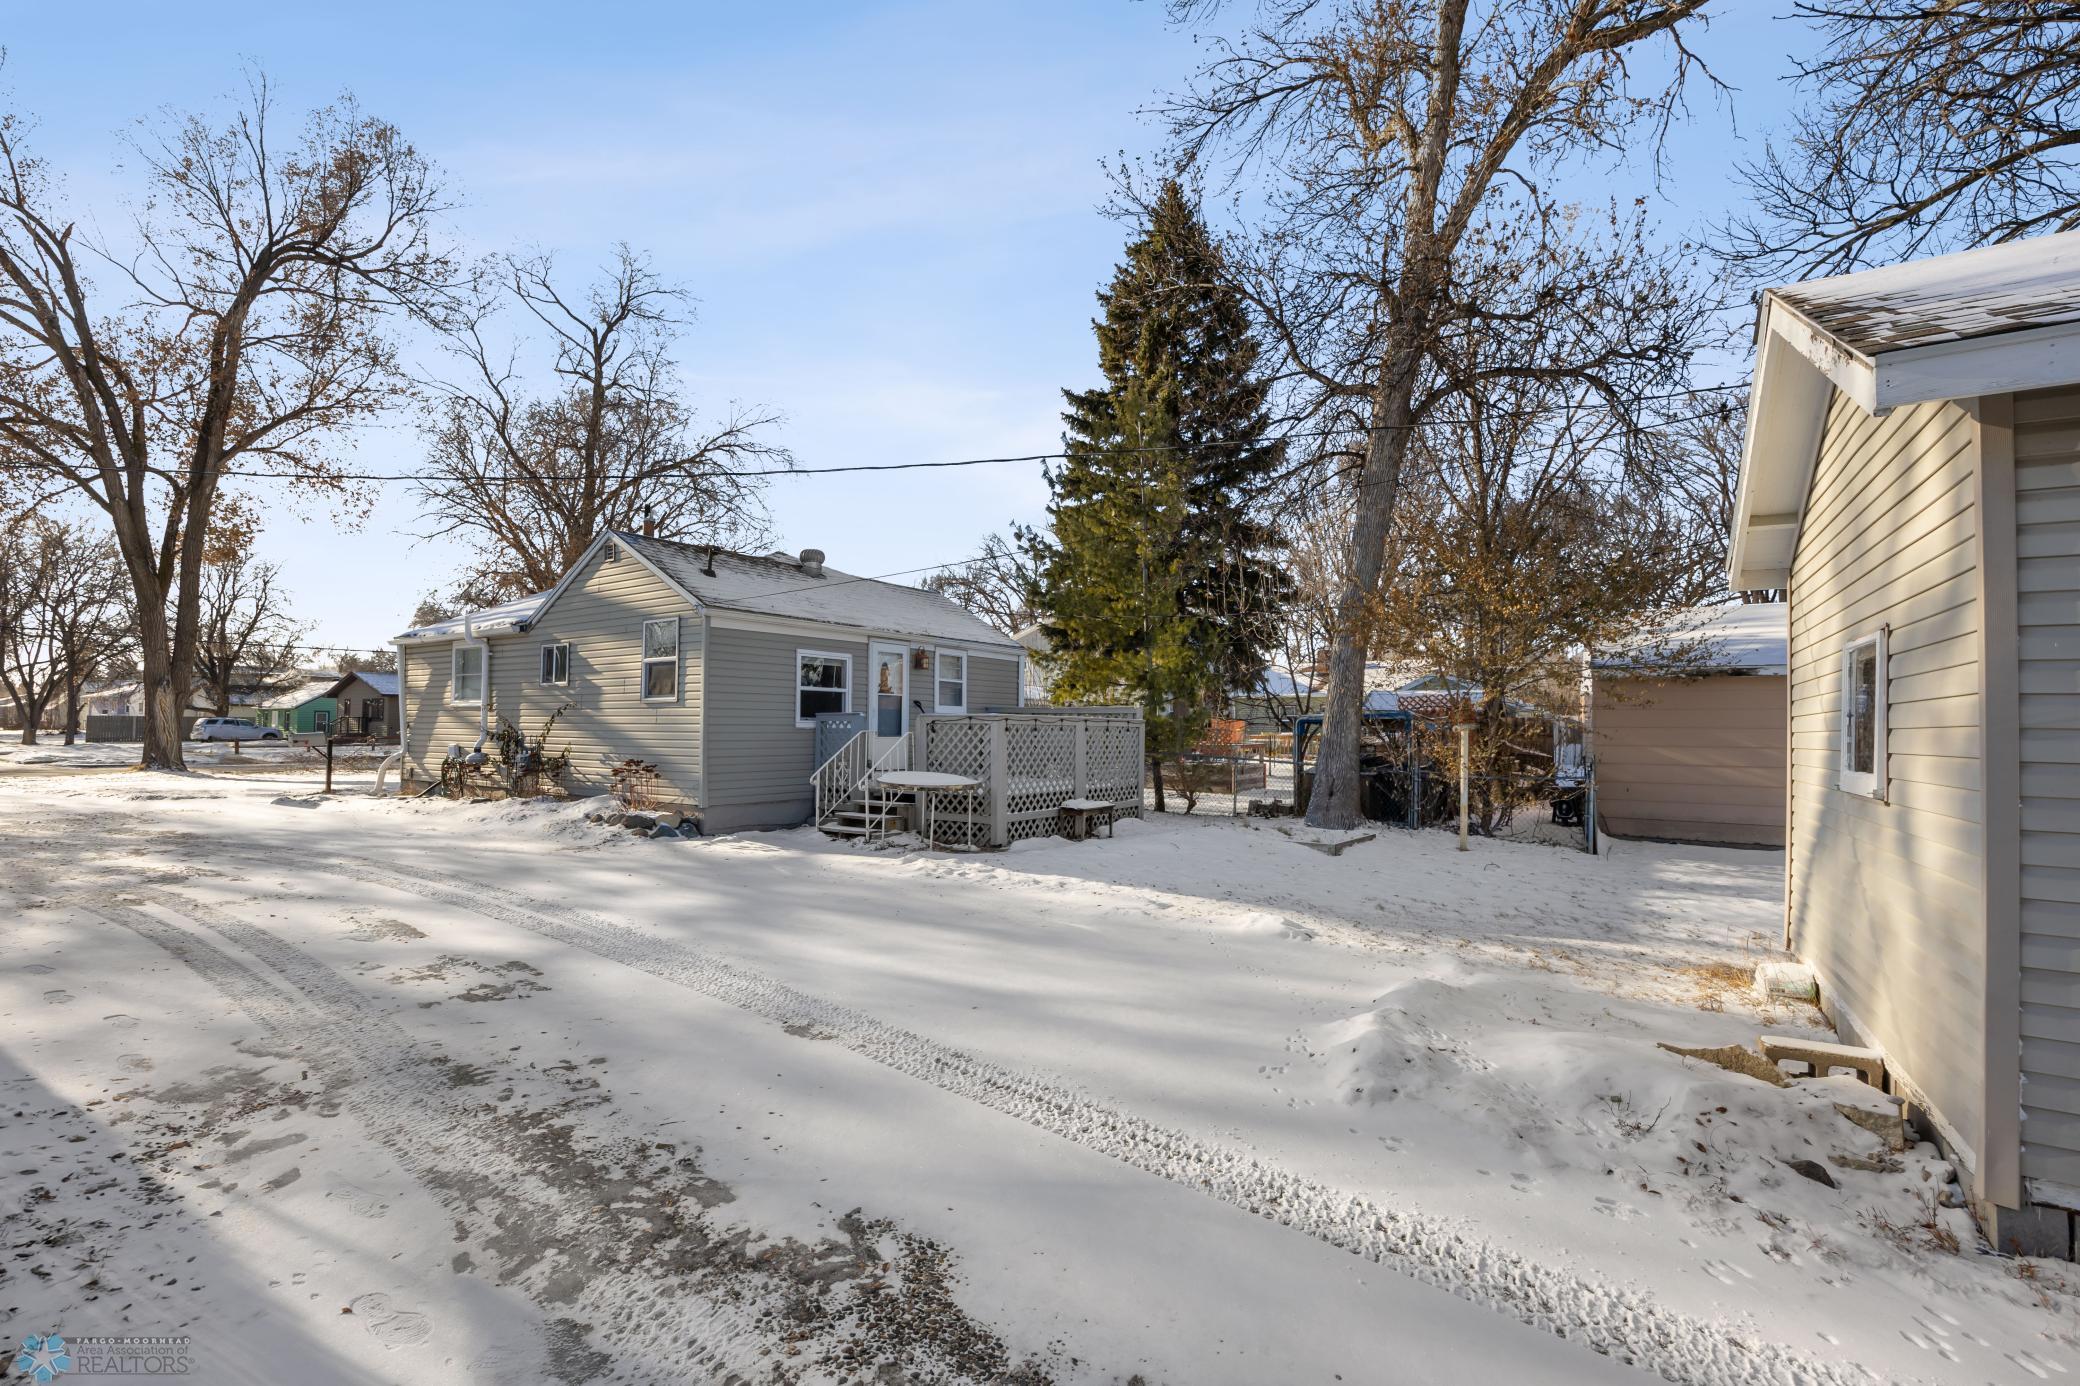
<point x="1158" y="576"/>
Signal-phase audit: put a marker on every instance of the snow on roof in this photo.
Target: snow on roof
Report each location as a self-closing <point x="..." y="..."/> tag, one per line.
<point x="779" y="586"/>
<point x="383" y="681"/>
<point x="1747" y="637"/>
<point x="297" y="696"/>
<point x="1947" y="298"/>
<point x="492" y="620"/>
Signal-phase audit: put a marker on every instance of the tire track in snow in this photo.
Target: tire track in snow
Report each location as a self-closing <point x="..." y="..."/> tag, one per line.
<point x="1625" y="1324"/>
<point x="678" y="1335"/>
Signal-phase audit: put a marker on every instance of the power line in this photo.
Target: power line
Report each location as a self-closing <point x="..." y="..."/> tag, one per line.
<point x="536" y="478"/>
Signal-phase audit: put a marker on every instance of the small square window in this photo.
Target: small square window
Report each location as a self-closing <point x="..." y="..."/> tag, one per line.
<point x="556" y="663"/>
<point x="1861" y="725"/>
<point x="661" y="660"/>
<point x="822" y="683"/>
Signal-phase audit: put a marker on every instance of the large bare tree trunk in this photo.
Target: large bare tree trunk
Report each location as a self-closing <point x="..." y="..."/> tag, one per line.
<point x="1337" y="799"/>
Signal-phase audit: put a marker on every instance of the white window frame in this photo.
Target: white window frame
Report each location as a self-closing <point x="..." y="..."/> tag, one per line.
<point x="938" y="674"/>
<point x="675" y="659"/>
<point x="1869" y="783"/>
<point x="799" y="689"/>
<point x="455" y="654"/>
<point x="542" y="669"/>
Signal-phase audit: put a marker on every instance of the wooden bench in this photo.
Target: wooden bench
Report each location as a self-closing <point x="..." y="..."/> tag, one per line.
<point x="1823" y="1057"/>
<point x="1083" y="815"/>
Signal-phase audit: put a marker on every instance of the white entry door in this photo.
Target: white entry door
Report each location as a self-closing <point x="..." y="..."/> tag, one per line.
<point x="888" y="699"/>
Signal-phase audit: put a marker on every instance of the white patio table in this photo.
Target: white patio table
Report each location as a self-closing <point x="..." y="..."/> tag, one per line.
<point x="928" y="785"/>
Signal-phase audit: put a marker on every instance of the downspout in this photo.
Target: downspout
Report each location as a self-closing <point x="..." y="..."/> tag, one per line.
<point x="404" y="729"/>
<point x="470" y="637"/>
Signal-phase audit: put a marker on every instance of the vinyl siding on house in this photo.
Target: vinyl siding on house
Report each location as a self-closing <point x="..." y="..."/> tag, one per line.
<point x="601" y="615"/>
<point x="1700" y="759"/>
<point x="1885" y="899"/>
<point x="992" y="683"/>
<point x="758" y="760"/>
<point x="2047" y="598"/>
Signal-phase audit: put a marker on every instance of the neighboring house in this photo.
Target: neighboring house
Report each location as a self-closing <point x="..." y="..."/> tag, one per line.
<point x="114" y="700"/>
<point x="1687" y="729"/>
<point x="709" y="664"/>
<point x="306" y="709"/>
<point x="1911" y="473"/>
<point x="364" y="703"/>
<point x="1034" y="677"/>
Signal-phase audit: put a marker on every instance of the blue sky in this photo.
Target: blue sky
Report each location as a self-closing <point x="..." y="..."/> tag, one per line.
<point x="888" y="213"/>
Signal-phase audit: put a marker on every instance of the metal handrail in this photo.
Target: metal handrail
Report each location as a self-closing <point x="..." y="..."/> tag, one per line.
<point x="877" y="823"/>
<point x="849" y="775"/>
<point x="839" y="778"/>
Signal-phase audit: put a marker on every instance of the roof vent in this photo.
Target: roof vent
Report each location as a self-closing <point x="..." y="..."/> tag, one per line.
<point x="812" y="562"/>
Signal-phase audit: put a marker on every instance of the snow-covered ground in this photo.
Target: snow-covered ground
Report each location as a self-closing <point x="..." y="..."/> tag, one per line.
<point x="350" y="1089"/>
<point x="52" y="753"/>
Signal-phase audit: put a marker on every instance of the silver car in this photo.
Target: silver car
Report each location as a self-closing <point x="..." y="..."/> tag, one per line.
<point x="234" y="729"/>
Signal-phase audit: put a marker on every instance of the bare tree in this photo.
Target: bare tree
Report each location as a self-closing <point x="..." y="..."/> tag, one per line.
<point x="90" y="616"/>
<point x="1403" y="149"/>
<point x="373" y="661"/>
<point x="532" y="479"/>
<point x="245" y="626"/>
<point x="998" y="584"/>
<point x="245" y="334"/>
<point x="59" y="615"/>
<point x="1930" y="126"/>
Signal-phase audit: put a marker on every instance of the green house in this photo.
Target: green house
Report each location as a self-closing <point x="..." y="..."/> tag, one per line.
<point x="304" y="710"/>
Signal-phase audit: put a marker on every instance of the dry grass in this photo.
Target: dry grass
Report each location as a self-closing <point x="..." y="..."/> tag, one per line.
<point x="1715" y="982"/>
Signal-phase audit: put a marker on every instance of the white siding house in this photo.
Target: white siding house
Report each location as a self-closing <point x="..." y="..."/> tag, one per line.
<point x="1911" y="474"/>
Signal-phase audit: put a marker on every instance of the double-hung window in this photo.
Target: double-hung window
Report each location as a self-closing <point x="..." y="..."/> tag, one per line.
<point x="952" y="680"/>
<point x="556" y="663"/>
<point x="466" y="674"/>
<point x="661" y="660"/>
<point x="1862" y="722"/>
<point x="822" y="683"/>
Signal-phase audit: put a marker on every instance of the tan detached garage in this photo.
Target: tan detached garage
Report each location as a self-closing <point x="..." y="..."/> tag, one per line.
<point x="1687" y="731"/>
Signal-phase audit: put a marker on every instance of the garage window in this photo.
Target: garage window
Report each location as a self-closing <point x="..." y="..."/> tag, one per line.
<point x="1864" y="699"/>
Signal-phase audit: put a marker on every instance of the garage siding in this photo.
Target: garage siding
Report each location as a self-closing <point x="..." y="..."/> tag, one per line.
<point x="1885" y="897"/>
<point x="1696" y="759"/>
<point x="2047" y="571"/>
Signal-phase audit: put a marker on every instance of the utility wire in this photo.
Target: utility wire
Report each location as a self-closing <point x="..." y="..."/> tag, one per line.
<point x="536" y="478"/>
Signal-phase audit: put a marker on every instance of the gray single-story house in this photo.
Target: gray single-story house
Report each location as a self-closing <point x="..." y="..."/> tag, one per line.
<point x="365" y="703"/>
<point x="1687" y="728"/>
<point x="1911" y="475"/>
<point x="712" y="665"/>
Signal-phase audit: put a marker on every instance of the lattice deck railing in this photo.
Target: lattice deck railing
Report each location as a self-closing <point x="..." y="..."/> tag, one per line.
<point x="1029" y="765"/>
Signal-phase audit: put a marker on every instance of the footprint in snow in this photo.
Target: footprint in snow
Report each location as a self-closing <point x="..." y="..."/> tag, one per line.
<point x="122" y="1022"/>
<point x="58" y="997"/>
<point x="134" y="1063"/>
<point x="360" y="1202"/>
<point x="392" y="1327"/>
<point x="40" y="969"/>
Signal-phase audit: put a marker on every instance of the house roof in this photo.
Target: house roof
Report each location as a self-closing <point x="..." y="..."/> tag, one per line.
<point x="777" y="585"/>
<point x="383" y="681"/>
<point x="780" y="586"/>
<point x="1979" y="322"/>
<point x="298" y="696"/>
<point x="1744" y="637"/>
<point x="502" y="619"/>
